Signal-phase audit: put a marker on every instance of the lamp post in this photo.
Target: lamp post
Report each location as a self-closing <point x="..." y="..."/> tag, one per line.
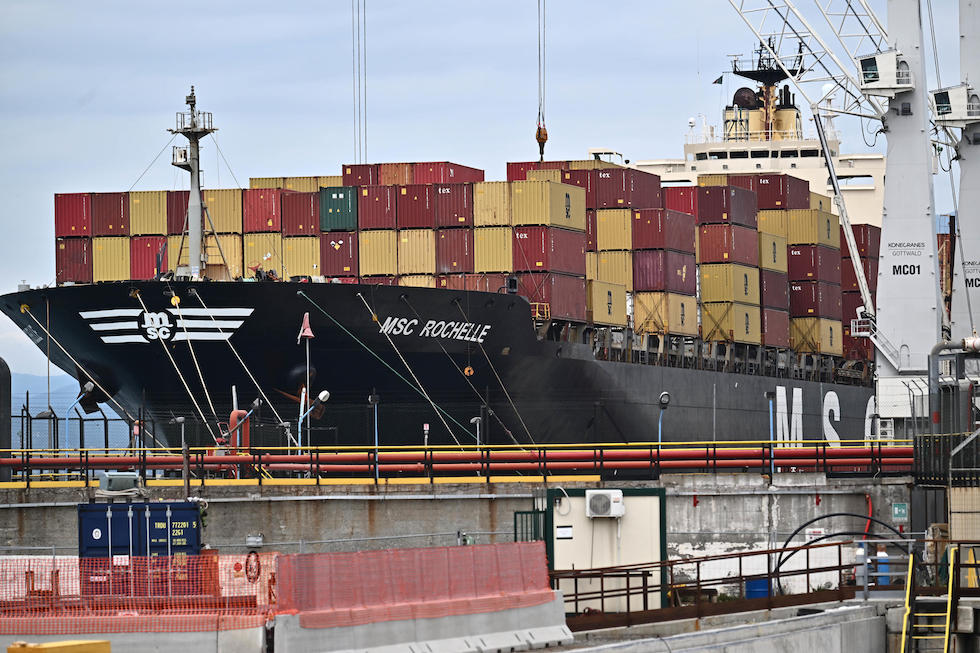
<point x="771" y="396"/>
<point x="664" y="402"/>
<point x="373" y="400"/>
<point x="477" y="421"/>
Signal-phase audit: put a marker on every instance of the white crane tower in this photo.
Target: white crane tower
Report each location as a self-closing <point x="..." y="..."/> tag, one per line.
<point x="879" y="75"/>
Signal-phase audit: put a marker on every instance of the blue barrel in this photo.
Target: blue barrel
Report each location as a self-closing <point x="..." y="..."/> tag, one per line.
<point x="757" y="588"/>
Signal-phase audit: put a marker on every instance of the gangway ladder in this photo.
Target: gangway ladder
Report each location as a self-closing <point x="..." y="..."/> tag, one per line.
<point x="928" y="621"/>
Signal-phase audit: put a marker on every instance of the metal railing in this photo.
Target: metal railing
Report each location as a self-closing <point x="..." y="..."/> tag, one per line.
<point x="646" y="460"/>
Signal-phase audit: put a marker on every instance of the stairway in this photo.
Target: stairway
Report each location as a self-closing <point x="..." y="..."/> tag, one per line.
<point x="928" y="619"/>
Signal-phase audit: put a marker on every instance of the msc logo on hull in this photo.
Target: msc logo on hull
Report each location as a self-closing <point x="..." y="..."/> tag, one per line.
<point x="133" y="325"/>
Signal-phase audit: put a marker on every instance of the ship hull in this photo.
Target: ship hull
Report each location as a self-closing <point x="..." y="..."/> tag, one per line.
<point x="430" y="356"/>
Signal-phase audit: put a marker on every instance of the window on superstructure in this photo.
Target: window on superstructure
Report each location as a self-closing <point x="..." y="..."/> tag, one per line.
<point x="739" y="154"/>
<point x="788" y="154"/>
<point x="809" y="153"/>
<point x="701" y="156"/>
<point x="760" y="154"/>
<point x="717" y="155"/>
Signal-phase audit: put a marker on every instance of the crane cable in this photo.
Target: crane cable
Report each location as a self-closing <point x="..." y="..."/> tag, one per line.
<point x="958" y="239"/>
<point x="358" y="26"/>
<point x="541" y="134"/>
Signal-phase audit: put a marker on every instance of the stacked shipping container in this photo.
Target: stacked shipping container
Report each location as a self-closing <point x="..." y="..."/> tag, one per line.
<point x="868" y="241"/>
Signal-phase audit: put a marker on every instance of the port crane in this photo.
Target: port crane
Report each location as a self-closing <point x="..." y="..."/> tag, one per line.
<point x="876" y="75"/>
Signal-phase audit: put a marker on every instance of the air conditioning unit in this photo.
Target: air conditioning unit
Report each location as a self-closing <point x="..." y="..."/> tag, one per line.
<point x="604" y="503"/>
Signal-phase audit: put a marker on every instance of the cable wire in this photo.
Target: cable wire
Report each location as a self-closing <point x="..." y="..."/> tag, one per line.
<point x="197" y="366"/>
<point x="190" y="394"/>
<point x="147" y="169"/>
<point x="215" y="140"/>
<point x="412" y="372"/>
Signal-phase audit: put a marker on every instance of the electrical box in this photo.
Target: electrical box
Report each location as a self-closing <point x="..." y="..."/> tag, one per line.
<point x="604" y="503"/>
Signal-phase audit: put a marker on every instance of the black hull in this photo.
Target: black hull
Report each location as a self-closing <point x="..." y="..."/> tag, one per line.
<point x="558" y="391"/>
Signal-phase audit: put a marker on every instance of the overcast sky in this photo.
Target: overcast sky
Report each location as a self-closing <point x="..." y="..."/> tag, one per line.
<point x="87" y="90"/>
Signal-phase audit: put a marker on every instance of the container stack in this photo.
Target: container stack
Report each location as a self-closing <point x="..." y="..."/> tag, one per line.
<point x="868" y="241"/>
<point x="73" y="237"/>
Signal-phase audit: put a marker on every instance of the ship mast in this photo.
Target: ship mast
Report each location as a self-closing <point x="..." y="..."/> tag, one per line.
<point x="193" y="125"/>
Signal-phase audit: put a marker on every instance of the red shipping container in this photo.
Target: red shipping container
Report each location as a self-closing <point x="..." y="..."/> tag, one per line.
<point x="814" y="299"/>
<point x="549" y="249"/>
<point x="775" y="327"/>
<point x="376" y="207"/>
<point x="850" y="303"/>
<point x="415" y="208"/>
<point x="73" y="260"/>
<point x="110" y="214"/>
<point x="622" y="188"/>
<point x="479" y="282"/>
<point x="585" y="179"/>
<point x="300" y="214"/>
<point x="72" y="215"/>
<point x="774" y="289"/>
<point x="338" y="254"/>
<point x="663" y="229"/>
<point x="361" y="174"/>
<point x="813" y="263"/>
<point x="380" y="281"/>
<point x="177" y="211"/>
<point x="262" y="210"/>
<point x="454" y="205"/>
<point x="867" y="238"/>
<point x="728" y="243"/>
<point x="454" y="251"/>
<point x="857" y="349"/>
<point x="659" y="270"/>
<point x="681" y="198"/>
<point x="444" y="172"/>
<point x="143" y="252"/>
<point x="590" y="227"/>
<point x="848" y="278"/>
<point x="518" y="171"/>
<point x="727" y="204"/>
<point x="775" y="191"/>
<point x="564" y="294"/>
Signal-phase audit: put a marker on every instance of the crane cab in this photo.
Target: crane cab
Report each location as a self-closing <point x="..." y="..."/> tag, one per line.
<point x="956" y="106"/>
<point x="885" y="74"/>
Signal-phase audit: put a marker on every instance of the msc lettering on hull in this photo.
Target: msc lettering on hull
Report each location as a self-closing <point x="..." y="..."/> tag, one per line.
<point x="788" y="416"/>
<point x="466" y="331"/>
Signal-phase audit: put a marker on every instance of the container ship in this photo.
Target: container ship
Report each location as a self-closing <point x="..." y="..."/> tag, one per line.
<point x="576" y="301"/>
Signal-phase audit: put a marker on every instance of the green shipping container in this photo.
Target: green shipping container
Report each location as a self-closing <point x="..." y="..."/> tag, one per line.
<point x="338" y="208"/>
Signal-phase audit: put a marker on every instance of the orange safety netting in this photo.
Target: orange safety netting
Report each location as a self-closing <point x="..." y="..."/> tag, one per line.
<point x="65" y="595"/>
<point x="348" y="589"/>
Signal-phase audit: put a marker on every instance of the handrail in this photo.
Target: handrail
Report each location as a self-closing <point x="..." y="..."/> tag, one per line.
<point x="952" y="583"/>
<point x="909" y="600"/>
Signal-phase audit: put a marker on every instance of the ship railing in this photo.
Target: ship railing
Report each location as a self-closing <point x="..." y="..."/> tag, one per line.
<point x="755" y="136"/>
<point x="643" y="460"/>
<point x="973" y="110"/>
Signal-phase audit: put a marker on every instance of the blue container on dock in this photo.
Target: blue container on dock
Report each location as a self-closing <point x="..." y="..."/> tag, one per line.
<point x="757" y="588"/>
<point x="139" y="548"/>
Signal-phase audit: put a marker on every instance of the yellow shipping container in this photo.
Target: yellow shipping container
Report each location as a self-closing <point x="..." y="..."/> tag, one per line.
<point x="614" y="229"/>
<point x="816" y="336"/>
<point x="64" y="646"/>
<point x="591" y="164"/>
<point x="547" y="203"/>
<point x="417" y="251"/>
<point x="301" y="184"/>
<point x="616" y="267"/>
<point x="491" y="203"/>
<point x="713" y="180"/>
<point x="545" y="175"/>
<point x="606" y="303"/>
<point x="821" y="202"/>
<point x="378" y="252"/>
<point x="220" y="268"/>
<point x="265" y="182"/>
<point x="225" y="208"/>
<point x="813" y="227"/>
<point x="110" y="258"/>
<point x="731" y="322"/>
<point x="665" y="313"/>
<point x="148" y="212"/>
<point x="330" y="181"/>
<point x="592" y="265"/>
<point x="301" y="255"/>
<point x="493" y="249"/>
<point x="174" y="250"/>
<point x="730" y="282"/>
<point x="264" y="250"/>
<point x="772" y="252"/>
<point x="774" y="222"/>
<point x="417" y="280"/>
